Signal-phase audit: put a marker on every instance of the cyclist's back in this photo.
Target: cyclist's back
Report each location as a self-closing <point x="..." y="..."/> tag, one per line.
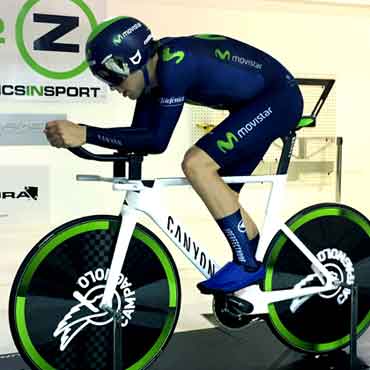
<point x="217" y="71"/>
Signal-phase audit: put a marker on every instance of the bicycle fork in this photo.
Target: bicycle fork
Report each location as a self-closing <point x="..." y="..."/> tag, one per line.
<point x="129" y="217"/>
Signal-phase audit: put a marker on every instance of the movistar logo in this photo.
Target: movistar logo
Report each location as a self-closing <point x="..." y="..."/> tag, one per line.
<point x="118" y="39"/>
<point x="226" y="55"/>
<point x="243" y="132"/>
<point x="167" y="55"/>
<point x="227" y="145"/>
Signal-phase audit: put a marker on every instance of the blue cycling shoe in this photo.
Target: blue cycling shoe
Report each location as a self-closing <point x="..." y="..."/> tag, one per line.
<point x="230" y="278"/>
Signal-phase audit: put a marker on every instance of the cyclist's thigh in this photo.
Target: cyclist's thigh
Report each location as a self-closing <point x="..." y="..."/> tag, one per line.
<point x="244" y="167"/>
<point x="239" y="142"/>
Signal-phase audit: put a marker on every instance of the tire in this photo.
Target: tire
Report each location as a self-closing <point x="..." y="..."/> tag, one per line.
<point x="54" y="330"/>
<point x="340" y="237"/>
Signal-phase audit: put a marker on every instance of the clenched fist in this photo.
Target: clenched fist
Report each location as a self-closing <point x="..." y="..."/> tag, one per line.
<point x="65" y="134"/>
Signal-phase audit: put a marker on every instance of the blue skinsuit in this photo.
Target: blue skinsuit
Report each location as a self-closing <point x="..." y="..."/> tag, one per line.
<point x="262" y="97"/>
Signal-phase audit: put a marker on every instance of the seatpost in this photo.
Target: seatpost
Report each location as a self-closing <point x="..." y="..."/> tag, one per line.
<point x="135" y="164"/>
<point x="119" y="168"/>
<point x="288" y="145"/>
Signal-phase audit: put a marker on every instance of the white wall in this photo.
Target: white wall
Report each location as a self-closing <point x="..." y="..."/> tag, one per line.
<point x="319" y="40"/>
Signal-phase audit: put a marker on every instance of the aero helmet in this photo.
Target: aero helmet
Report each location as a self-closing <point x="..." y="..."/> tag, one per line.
<point x="118" y="47"/>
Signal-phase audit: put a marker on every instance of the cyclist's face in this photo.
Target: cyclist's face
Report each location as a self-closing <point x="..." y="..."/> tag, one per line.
<point x="132" y="86"/>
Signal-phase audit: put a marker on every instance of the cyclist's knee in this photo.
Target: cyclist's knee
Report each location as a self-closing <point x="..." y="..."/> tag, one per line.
<point x="197" y="162"/>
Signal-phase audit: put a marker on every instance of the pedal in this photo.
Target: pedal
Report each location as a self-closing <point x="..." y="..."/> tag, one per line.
<point x="232" y="312"/>
<point x="239" y="304"/>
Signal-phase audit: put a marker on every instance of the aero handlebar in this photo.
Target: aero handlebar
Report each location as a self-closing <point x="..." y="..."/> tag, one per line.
<point x="85" y="154"/>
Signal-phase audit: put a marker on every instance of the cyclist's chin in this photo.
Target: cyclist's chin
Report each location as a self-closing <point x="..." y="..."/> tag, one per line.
<point x="132" y="95"/>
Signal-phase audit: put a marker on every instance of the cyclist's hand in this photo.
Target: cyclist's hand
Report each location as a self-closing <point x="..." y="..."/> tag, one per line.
<point x="65" y="134"/>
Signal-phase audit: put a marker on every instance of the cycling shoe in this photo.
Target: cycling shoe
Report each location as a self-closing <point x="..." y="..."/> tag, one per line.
<point x="230" y="278"/>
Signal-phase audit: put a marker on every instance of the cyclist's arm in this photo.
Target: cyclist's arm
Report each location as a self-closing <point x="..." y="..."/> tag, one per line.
<point x="156" y="114"/>
<point x="153" y="125"/>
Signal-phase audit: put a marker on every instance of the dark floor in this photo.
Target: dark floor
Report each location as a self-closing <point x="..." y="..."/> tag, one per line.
<point x="254" y="348"/>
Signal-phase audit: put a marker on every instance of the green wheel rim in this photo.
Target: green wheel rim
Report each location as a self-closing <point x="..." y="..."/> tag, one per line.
<point x="49" y="246"/>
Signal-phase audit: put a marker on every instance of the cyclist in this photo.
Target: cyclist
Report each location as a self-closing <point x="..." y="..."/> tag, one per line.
<point x="263" y="99"/>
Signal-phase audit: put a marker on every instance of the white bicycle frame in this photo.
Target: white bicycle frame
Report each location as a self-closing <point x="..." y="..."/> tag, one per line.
<point x="142" y="199"/>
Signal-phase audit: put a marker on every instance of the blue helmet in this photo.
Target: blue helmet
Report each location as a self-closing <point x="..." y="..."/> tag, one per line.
<point x="118" y="47"/>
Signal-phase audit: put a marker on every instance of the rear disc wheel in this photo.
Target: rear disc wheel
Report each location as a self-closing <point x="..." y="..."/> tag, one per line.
<point x="340" y="237"/>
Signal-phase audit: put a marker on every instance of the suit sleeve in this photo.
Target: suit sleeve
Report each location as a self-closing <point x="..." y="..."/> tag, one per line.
<point x="154" y="121"/>
<point x="156" y="114"/>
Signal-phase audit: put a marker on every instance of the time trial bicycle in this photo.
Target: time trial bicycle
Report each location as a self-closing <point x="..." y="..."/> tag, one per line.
<point x="102" y="277"/>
